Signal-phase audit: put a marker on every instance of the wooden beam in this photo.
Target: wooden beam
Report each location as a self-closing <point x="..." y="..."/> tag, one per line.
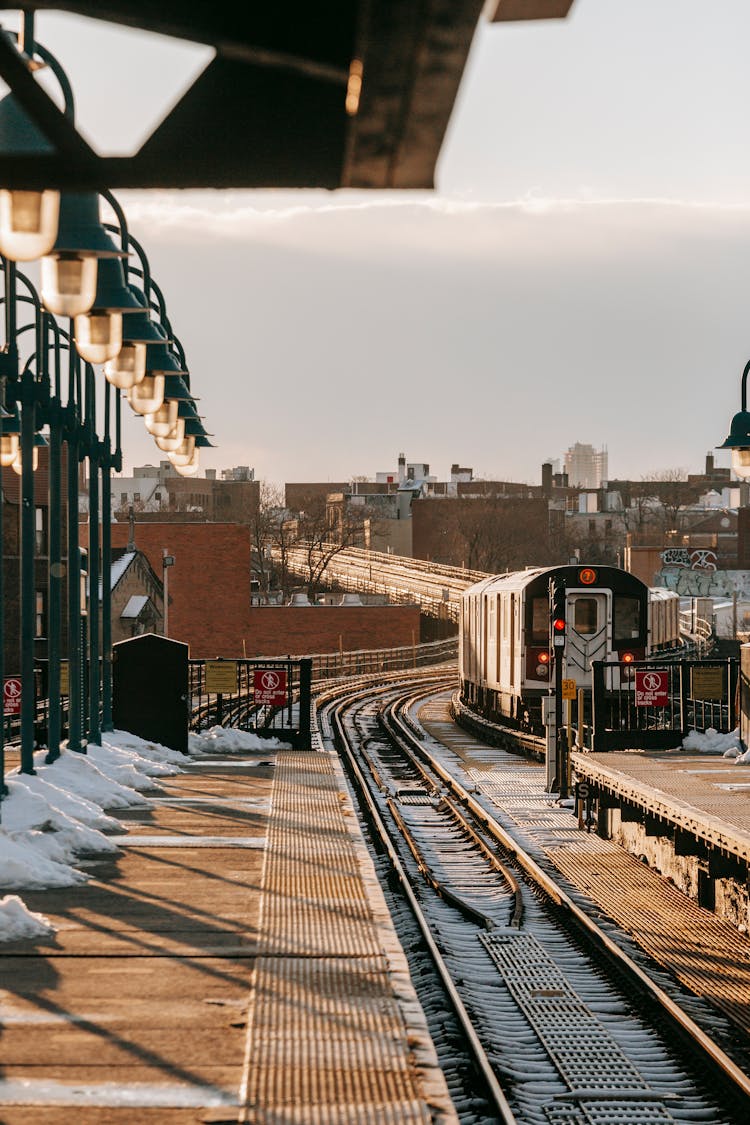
<point x="508" y="10"/>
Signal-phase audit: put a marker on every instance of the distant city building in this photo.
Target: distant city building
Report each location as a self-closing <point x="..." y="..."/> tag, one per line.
<point x="586" y="467"/>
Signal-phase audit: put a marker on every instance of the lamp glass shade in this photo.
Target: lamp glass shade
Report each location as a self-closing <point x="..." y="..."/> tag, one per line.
<point x="68" y="283"/>
<point x="98" y="336"/>
<point x="128" y="367"/>
<point x="28" y="223"/>
<point x="185" y="453"/>
<point x="161" y="421"/>
<point x="8" y="449"/>
<point x="741" y="463"/>
<point x="148" y="395"/>
<point x="17" y="465"/>
<point x="174" y="438"/>
<point x="191" y="468"/>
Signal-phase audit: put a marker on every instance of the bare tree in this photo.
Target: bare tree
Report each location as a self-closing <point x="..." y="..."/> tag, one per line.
<point x="264" y="526"/>
<point x="499" y="533"/>
<point x="673" y="493"/>
<point x="324" y="531"/>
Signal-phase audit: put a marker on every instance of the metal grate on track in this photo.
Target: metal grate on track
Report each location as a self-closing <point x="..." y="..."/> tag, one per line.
<point x="574" y="1039"/>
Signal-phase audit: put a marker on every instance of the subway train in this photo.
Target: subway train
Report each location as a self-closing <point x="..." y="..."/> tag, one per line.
<point x="511" y="626"/>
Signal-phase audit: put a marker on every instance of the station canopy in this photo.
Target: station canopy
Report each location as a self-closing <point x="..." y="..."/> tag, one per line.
<point x="344" y="93"/>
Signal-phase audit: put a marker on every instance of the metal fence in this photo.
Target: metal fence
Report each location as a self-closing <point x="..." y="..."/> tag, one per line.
<point x="268" y="697"/>
<point x="362" y="662"/>
<point x="649" y="705"/>
<point x="238" y="707"/>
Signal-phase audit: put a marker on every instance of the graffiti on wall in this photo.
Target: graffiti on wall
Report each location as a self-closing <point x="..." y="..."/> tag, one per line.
<point x="697" y="558"/>
<point x="706" y="584"/>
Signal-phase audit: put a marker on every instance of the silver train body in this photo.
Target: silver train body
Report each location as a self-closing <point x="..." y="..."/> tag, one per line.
<point x="505" y="646"/>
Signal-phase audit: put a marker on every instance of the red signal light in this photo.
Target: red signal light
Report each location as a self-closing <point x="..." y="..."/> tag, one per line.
<point x="559" y="624"/>
<point x="544" y="658"/>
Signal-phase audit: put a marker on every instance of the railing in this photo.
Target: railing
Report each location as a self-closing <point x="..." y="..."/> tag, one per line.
<point x="651" y="705"/>
<point x="270" y="698"/>
<point x="435" y="587"/>
<point x="238" y="708"/>
<point x="698" y="632"/>
<point x="335" y="665"/>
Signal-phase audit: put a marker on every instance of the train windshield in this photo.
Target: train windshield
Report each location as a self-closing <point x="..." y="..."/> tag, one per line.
<point x="585" y="616"/>
<point x="540" y="621"/>
<point x="626" y="613"/>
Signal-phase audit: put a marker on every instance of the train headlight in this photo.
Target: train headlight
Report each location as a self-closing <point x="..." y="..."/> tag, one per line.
<point x="627" y="659"/>
<point x="542" y="670"/>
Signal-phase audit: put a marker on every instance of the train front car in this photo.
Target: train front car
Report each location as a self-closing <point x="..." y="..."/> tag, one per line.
<point x="507" y="653"/>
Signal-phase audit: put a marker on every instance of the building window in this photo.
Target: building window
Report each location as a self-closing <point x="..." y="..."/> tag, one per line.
<point x="123" y="497"/>
<point x="157" y="496"/>
<point x="40" y="531"/>
<point x="40" y="624"/>
<point x="136" y="496"/>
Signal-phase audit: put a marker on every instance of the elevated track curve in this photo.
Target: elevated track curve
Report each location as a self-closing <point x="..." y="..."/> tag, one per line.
<point x="435" y="588"/>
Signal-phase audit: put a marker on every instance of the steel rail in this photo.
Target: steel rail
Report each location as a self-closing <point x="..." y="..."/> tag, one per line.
<point x="342" y="742"/>
<point x="688" y="1028"/>
<point x="396" y="715"/>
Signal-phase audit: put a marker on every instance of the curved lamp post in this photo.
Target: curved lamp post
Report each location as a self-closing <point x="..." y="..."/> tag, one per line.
<point x="85" y="277"/>
<point x="739" y="434"/>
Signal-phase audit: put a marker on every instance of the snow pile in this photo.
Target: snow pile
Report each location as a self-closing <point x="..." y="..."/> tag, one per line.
<point x="218" y="740"/>
<point x="711" y="742"/>
<point x="16" y="922"/>
<point x="51" y="820"/>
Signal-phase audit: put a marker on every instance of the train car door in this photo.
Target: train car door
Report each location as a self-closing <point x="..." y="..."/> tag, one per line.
<point x="588" y="619"/>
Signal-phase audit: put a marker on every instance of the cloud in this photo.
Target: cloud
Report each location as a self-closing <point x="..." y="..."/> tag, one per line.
<point x="342" y="330"/>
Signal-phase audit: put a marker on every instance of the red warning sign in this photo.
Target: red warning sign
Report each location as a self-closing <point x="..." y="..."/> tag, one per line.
<point x="270" y="686"/>
<point x="12" y="696"/>
<point x="651" y="688"/>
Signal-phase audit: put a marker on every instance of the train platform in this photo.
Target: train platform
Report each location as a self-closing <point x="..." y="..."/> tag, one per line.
<point x="703" y="795"/>
<point x="235" y="962"/>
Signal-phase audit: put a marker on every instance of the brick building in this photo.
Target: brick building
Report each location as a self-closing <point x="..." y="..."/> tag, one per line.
<point x="210" y="603"/>
<point x="288" y="630"/>
<point x="298" y="497"/>
<point x="159" y="493"/>
<point x="209" y="584"/>
<point x="137" y="594"/>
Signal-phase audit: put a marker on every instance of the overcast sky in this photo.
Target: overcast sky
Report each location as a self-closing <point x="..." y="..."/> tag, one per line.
<point x="581" y="273"/>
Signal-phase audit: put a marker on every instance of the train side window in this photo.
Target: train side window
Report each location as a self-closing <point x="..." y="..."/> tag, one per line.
<point x="585" y="615"/>
<point x="540" y="621"/>
<point x="626" y="613"/>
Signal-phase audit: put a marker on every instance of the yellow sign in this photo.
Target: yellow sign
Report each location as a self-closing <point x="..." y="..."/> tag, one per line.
<point x="221" y="676"/>
<point x="707" y="683"/>
<point x="64" y="678"/>
<point x="569" y="689"/>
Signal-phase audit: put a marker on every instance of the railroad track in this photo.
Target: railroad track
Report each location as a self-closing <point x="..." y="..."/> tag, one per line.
<point x="538" y="1014"/>
<point x="435" y="587"/>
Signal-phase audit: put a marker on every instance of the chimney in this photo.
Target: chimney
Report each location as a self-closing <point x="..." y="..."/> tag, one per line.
<point x="547" y="478"/>
<point x="401" y="468"/>
<point x="709" y="464"/>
